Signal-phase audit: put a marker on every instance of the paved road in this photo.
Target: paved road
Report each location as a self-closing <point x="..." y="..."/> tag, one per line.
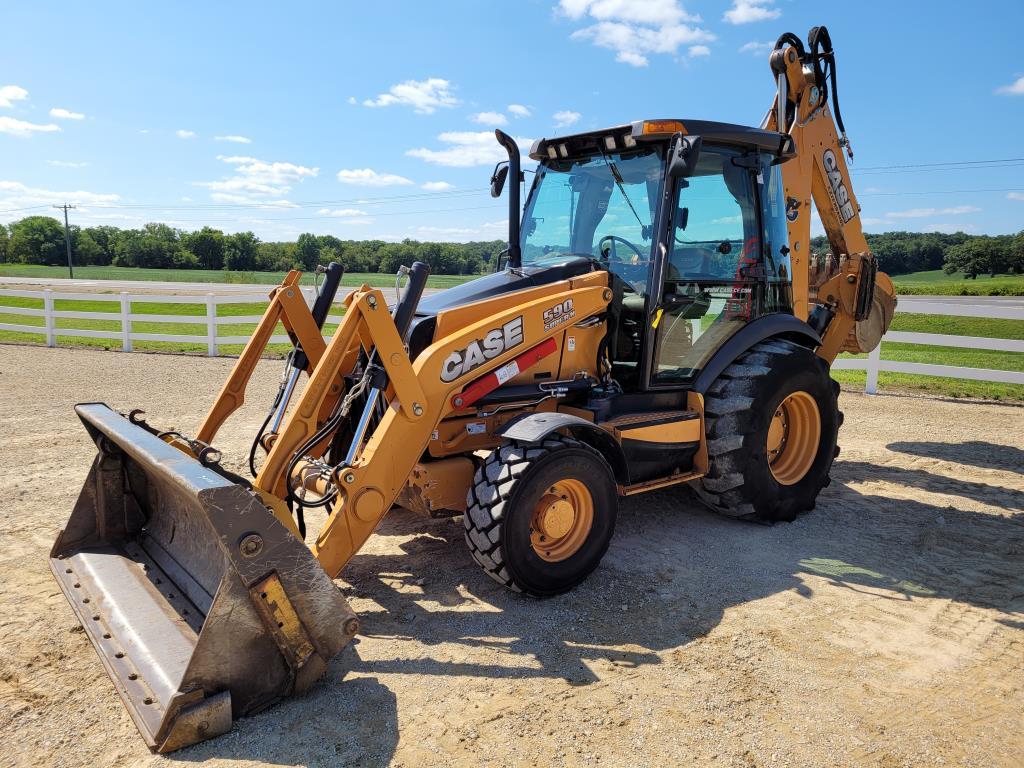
<point x="1002" y="301"/>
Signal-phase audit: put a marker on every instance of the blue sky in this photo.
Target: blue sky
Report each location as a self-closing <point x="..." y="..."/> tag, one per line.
<point x="374" y="119"/>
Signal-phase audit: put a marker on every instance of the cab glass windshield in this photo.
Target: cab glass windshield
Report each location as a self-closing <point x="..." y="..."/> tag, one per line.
<point x="600" y="207"/>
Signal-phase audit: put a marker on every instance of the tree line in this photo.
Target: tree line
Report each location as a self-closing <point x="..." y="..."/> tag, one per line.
<point x="900" y="253"/>
<point x="40" y="240"/>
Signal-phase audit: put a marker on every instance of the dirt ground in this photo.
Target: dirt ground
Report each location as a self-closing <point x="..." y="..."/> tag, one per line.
<point x="886" y="628"/>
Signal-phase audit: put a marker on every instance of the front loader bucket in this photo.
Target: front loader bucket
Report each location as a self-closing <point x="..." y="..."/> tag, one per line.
<point x="201" y="605"/>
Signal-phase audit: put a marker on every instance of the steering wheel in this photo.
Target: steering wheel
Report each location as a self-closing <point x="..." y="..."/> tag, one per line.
<point x="611" y="251"/>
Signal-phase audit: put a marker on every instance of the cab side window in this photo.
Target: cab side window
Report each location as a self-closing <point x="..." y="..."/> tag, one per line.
<point x="715" y="214"/>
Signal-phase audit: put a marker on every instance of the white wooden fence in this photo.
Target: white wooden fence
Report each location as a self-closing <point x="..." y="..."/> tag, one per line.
<point x="873" y="363"/>
<point x="122" y="303"/>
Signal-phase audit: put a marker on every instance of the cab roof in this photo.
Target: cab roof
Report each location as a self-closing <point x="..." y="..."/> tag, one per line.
<point x="630" y="135"/>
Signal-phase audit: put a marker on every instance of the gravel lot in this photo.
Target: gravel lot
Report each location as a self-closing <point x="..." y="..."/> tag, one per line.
<point x="883" y="629"/>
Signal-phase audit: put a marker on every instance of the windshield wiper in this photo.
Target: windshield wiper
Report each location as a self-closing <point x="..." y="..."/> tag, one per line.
<point x="618" y="182"/>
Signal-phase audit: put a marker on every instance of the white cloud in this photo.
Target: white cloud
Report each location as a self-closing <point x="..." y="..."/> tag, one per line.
<point x="491" y="230"/>
<point x="14" y="194"/>
<point x="1015" y="195"/>
<point x="66" y="164"/>
<point x="66" y="114"/>
<point x="758" y="49"/>
<point x="1016" y="88"/>
<point x="518" y="110"/>
<point x="466" y="149"/>
<point x="696" y="51"/>
<point x="245" y="199"/>
<point x="437" y="186"/>
<point x="922" y="213"/>
<point x="367" y="177"/>
<point x="234" y="139"/>
<point x="424" y="96"/>
<point x="342" y="213"/>
<point x="23" y="128"/>
<point x="10" y="94"/>
<point x="635" y="11"/>
<point x="636" y="29"/>
<point x="748" y="11"/>
<point x="257" y="181"/>
<point x="565" y="118"/>
<point x="181" y="133"/>
<point x="489" y="118"/>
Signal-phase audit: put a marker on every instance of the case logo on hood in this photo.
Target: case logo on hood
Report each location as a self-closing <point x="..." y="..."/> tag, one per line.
<point x="495" y="342"/>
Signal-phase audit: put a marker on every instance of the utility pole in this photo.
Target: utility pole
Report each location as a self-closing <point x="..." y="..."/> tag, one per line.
<point x="67" y="237"/>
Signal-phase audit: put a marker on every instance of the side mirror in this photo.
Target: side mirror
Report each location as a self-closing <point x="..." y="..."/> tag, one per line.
<point x="682" y="217"/>
<point x="498" y="178"/>
<point x="501" y="262"/>
<point x="683" y="154"/>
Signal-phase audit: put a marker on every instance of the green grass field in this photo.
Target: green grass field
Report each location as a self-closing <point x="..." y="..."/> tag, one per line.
<point x="938" y="283"/>
<point x="208" y="275"/>
<point x="958" y="356"/>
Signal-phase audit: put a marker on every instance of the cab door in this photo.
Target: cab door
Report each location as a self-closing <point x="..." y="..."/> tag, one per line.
<point x="717" y="263"/>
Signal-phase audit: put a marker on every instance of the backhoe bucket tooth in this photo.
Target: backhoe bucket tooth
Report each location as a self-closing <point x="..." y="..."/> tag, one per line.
<point x="201" y="605"/>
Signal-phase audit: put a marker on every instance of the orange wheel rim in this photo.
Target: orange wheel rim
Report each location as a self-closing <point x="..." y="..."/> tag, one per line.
<point x="561" y="520"/>
<point x="793" y="438"/>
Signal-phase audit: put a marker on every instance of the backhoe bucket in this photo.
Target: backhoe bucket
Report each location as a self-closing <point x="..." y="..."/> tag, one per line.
<point x="201" y="605"/>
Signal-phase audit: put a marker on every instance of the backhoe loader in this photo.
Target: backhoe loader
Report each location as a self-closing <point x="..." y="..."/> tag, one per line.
<point x="657" y="320"/>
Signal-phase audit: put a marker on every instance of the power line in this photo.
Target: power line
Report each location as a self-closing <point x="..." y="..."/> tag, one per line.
<point x="935" y="165"/>
<point x="938" y="170"/>
<point x="340" y="218"/>
<point x="258" y="205"/>
<point x="27" y="208"/>
<point x="941" y="192"/>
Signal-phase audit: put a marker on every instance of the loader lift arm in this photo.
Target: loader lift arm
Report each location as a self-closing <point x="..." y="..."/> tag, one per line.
<point x="806" y="83"/>
<point x="418" y="398"/>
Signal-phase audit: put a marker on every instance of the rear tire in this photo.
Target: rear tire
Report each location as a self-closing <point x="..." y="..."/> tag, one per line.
<point x="772" y="419"/>
<point x="562" y="488"/>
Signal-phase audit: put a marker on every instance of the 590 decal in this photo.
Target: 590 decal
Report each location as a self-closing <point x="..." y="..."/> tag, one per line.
<point x="558" y="314"/>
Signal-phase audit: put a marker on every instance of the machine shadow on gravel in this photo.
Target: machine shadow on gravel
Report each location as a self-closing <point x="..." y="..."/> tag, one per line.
<point x="339" y="722"/>
<point x="977" y="453"/>
<point x="670" y="576"/>
<point x="673" y="571"/>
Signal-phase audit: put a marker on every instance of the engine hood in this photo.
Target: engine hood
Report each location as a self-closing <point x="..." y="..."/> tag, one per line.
<point x="485" y="287"/>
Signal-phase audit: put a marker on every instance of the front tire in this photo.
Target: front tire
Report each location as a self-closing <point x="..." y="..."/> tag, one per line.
<point x="772" y="420"/>
<point x="539" y="518"/>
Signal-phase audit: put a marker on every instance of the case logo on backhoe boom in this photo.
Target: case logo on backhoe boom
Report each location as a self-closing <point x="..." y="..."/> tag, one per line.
<point x="840" y="195"/>
<point x="495" y="342"/>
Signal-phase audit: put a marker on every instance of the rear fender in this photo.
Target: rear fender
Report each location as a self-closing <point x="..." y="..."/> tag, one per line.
<point x="765" y="327"/>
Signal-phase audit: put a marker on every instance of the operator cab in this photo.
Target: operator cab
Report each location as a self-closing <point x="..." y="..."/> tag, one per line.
<point x="689" y="218"/>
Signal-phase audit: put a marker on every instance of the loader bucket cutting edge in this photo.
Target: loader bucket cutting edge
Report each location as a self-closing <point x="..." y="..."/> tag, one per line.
<point x="201" y="605"/>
